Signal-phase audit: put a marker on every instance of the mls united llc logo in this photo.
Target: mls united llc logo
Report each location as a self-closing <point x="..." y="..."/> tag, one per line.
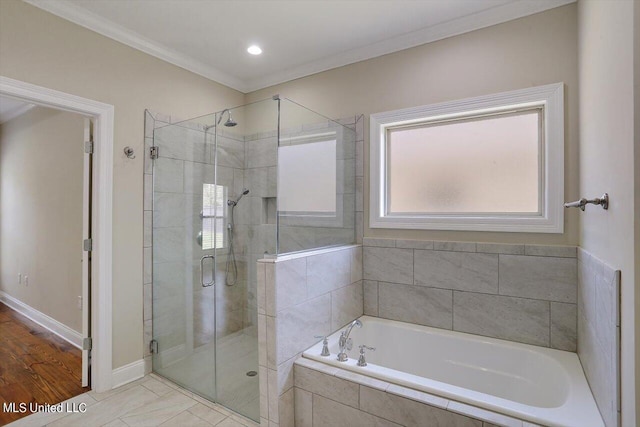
<point x="33" y="407"/>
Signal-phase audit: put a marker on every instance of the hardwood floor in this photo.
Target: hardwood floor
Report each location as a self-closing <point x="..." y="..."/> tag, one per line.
<point x="35" y="364"/>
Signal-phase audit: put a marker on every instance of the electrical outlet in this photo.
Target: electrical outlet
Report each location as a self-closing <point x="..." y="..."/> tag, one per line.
<point x="79" y="302"/>
<point x="19" y="278"/>
<point x="26" y="280"/>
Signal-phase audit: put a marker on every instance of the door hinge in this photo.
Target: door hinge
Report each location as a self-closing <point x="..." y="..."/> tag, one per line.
<point x="87" y="343"/>
<point x="153" y="346"/>
<point x="153" y="152"/>
<point x="87" y="245"/>
<point x="88" y="147"/>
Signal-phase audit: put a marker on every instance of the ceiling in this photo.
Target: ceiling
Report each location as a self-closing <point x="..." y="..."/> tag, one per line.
<point x="298" y="37"/>
<point x="11" y="108"/>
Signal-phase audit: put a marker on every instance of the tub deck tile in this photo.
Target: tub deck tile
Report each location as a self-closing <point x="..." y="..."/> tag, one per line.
<point x="483" y="414"/>
<point x="408" y="412"/>
<point x="327" y="412"/>
<point x="331" y="387"/>
<point x="362" y="379"/>
<point x="317" y="366"/>
<point x="418" y="396"/>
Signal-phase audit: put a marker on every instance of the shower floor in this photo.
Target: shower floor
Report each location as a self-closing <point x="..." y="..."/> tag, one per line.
<point x="237" y="354"/>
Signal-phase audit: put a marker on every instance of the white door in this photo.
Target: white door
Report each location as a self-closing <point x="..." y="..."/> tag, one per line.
<point x="86" y="254"/>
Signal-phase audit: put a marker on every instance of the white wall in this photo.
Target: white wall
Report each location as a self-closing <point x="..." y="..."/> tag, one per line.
<point x="41" y="173"/>
<point x="532" y="51"/>
<point x="42" y="49"/>
<point x="606" y="46"/>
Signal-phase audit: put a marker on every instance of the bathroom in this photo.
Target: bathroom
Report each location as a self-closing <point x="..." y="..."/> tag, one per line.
<point x="252" y="215"/>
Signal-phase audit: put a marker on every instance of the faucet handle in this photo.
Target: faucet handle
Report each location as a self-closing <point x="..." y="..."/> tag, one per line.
<point x="361" y="359"/>
<point x="325" y="345"/>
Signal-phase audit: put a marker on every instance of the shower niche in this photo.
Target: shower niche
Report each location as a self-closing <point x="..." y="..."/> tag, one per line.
<point x="230" y="188"/>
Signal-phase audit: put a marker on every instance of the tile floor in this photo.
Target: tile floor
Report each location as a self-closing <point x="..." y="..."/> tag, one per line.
<point x="149" y="401"/>
<point x="238" y="354"/>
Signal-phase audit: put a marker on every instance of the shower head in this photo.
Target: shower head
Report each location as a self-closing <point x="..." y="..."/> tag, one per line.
<point x="230" y="122"/>
<point x="232" y="203"/>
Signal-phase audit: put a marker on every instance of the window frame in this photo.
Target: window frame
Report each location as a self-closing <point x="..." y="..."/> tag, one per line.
<point x="551" y="216"/>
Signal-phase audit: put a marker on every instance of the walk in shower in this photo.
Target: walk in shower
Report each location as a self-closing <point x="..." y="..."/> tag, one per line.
<point x="230" y="188"/>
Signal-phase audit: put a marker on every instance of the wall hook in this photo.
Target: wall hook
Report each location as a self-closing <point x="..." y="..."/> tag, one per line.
<point x="128" y="151"/>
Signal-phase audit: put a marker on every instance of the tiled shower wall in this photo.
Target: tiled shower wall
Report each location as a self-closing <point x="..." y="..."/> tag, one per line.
<point x="599" y="332"/>
<point x="520" y="293"/>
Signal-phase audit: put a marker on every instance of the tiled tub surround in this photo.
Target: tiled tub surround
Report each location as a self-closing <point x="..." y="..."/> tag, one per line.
<point x="330" y="396"/>
<point x="522" y="293"/>
<point x="599" y="332"/>
<point x="301" y="296"/>
<point x="511" y="380"/>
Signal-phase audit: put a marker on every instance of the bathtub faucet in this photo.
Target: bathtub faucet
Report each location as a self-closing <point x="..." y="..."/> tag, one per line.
<point x="345" y="343"/>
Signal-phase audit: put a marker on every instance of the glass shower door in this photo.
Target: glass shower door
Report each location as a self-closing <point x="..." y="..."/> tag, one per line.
<point x="185" y="208"/>
<point x="245" y="158"/>
<point x="214" y="217"/>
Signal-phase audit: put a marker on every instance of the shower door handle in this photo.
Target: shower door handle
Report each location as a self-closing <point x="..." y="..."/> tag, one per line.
<point x="213" y="279"/>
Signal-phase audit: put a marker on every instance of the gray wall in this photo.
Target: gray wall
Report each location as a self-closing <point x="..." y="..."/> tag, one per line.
<point x="522" y="293"/>
<point x="607" y="36"/>
<point x="300" y="298"/>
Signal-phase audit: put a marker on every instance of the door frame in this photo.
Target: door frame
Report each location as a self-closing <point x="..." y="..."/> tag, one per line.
<point x="102" y="222"/>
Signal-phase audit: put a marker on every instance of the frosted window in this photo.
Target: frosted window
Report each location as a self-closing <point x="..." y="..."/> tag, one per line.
<point x="481" y="165"/>
<point x="307" y="177"/>
<point x="213" y="212"/>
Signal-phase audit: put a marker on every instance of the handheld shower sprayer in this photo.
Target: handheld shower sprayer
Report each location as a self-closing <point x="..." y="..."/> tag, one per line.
<point x="233" y="203"/>
<point x="231" y="266"/>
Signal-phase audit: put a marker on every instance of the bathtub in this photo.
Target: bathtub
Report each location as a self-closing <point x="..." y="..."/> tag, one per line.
<point x="535" y="384"/>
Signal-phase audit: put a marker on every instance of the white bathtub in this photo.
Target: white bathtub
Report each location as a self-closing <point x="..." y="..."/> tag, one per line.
<point x="536" y="384"/>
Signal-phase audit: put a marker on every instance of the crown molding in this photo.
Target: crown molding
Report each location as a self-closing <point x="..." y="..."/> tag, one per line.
<point x="107" y="28"/>
<point x="486" y="18"/>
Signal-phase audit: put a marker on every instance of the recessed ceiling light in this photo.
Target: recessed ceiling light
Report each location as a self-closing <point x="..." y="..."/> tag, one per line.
<point x="254" y="50"/>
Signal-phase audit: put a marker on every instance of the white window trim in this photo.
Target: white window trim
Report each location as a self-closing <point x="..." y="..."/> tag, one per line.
<point x="551" y="218"/>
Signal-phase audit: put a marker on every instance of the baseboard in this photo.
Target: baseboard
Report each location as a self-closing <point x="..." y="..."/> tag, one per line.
<point x="127" y="373"/>
<point x="63" y="331"/>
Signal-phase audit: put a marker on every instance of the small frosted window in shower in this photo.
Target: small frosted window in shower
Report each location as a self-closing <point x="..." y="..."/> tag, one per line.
<point x="474" y="165"/>
<point x="213" y="215"/>
<point x="307" y="178"/>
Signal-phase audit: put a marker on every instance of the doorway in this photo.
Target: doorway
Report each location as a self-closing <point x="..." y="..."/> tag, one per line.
<point x="45" y="212"/>
<point x="97" y="327"/>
